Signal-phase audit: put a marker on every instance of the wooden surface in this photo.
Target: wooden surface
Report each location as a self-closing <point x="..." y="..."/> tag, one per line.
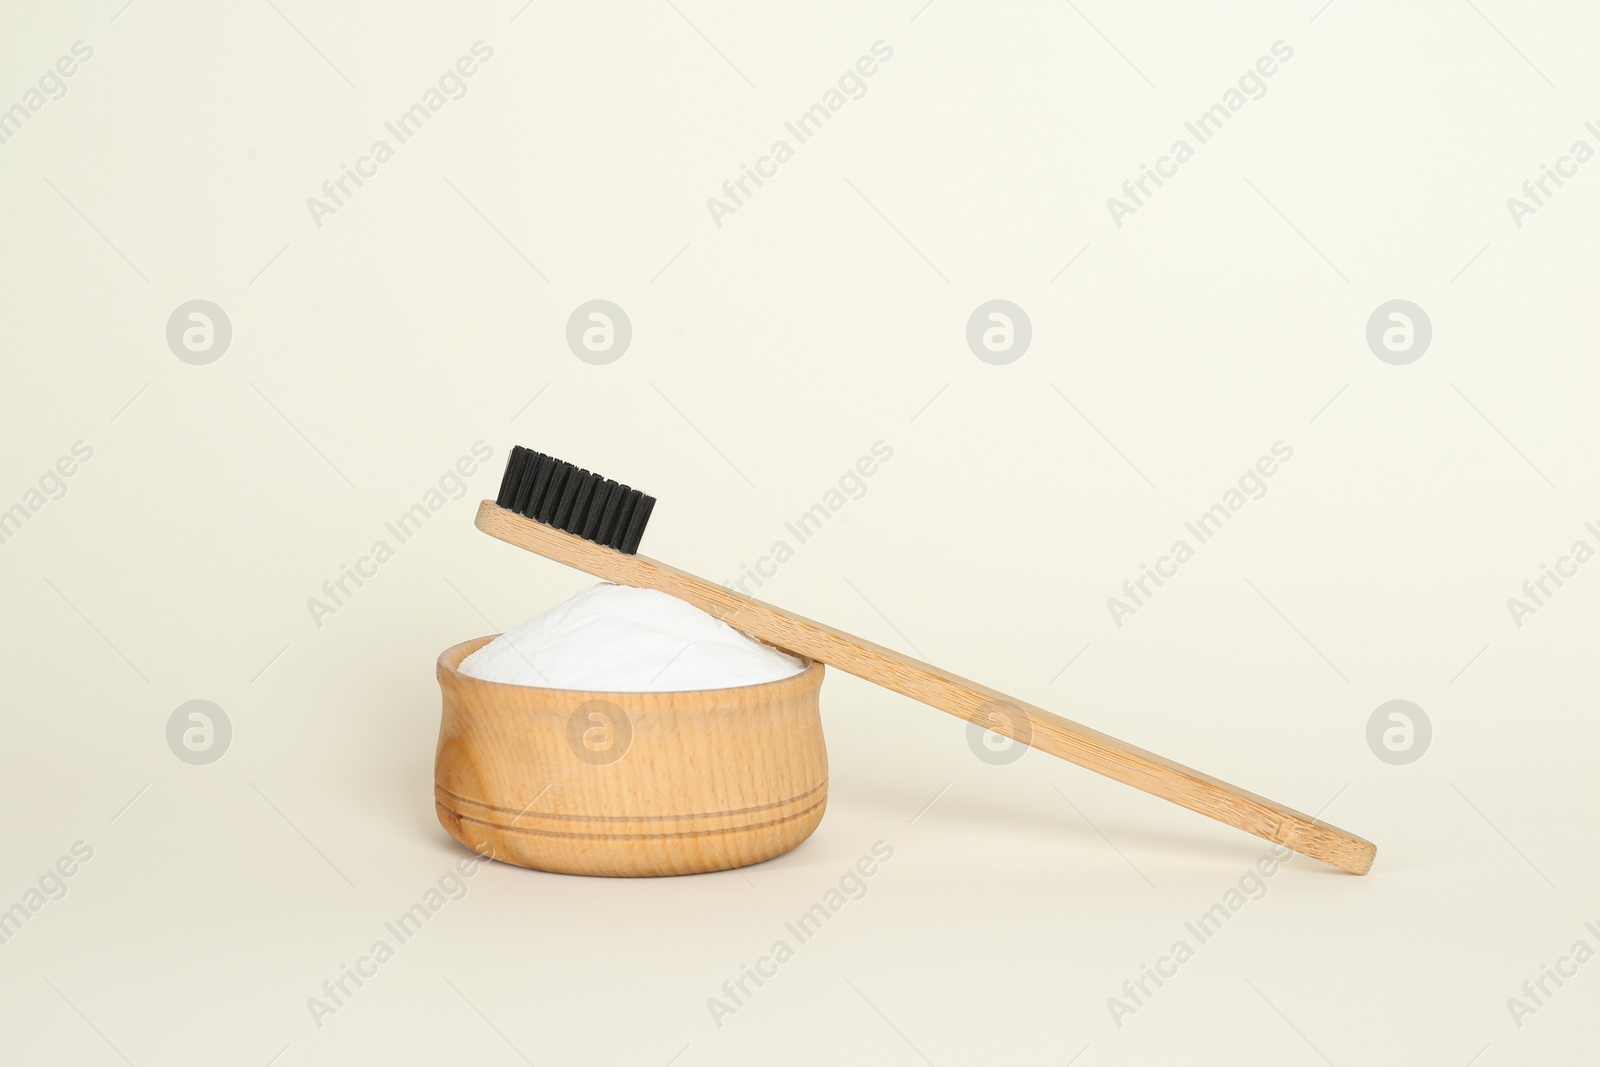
<point x="938" y="688"/>
<point x="629" y="784"/>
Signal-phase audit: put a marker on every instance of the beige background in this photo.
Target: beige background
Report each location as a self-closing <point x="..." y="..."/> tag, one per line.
<point x="828" y="313"/>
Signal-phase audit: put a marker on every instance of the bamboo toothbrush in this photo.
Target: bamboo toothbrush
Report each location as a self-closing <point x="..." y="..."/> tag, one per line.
<point x="594" y="524"/>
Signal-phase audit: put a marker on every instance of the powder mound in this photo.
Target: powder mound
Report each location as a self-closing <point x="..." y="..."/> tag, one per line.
<point x="615" y="638"/>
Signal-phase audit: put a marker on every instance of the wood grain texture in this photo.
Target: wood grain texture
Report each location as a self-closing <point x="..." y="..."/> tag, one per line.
<point x="629" y="784"/>
<point x="1016" y="719"/>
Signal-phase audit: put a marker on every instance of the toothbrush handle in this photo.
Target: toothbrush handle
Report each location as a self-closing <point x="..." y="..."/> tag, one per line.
<point x="948" y="692"/>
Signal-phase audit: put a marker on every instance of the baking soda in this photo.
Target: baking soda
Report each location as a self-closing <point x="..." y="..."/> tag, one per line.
<point x="615" y="638"/>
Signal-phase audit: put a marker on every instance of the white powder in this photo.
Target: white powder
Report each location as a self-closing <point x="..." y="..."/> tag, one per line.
<point x="615" y="638"/>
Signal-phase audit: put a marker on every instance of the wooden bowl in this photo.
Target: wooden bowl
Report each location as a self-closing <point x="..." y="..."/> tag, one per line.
<point x="629" y="784"/>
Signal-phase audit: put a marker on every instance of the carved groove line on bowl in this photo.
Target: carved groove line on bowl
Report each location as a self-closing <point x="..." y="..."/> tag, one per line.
<point x="505" y="828"/>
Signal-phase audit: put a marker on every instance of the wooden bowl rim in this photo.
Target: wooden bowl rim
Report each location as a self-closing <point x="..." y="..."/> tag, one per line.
<point x="809" y="678"/>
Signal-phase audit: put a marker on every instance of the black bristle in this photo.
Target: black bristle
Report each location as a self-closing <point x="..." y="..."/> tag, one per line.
<point x="573" y="500"/>
<point x="536" y="462"/>
<point x="630" y="501"/>
<point x="546" y="509"/>
<point x="514" y="468"/>
<point x="597" y="507"/>
<point x="641" y="515"/>
<point x="580" y="503"/>
<point x="568" y="496"/>
<point x="541" y="481"/>
<point x="608" y="518"/>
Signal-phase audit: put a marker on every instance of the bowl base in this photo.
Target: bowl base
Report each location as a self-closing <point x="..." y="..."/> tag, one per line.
<point x="630" y="847"/>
